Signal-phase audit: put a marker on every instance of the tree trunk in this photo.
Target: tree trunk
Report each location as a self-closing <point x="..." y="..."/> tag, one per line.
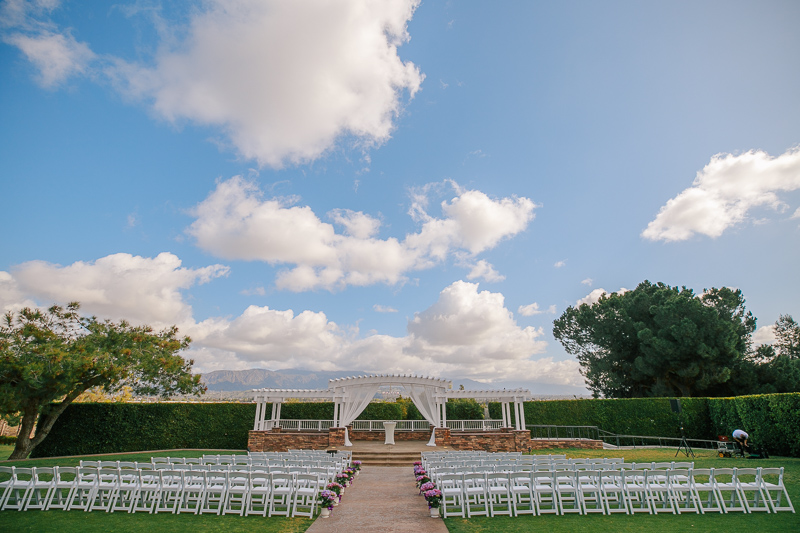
<point x="26" y="443"/>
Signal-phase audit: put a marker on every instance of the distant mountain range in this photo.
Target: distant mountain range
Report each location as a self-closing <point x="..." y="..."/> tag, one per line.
<point x="220" y="381"/>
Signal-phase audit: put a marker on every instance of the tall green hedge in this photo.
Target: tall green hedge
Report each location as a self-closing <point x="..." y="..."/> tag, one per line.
<point x="88" y="428"/>
<point x="771" y="419"/>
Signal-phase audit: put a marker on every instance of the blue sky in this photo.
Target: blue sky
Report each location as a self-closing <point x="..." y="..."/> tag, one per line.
<point x="391" y="187"/>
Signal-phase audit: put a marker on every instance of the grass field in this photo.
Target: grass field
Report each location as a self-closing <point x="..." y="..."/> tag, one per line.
<point x="69" y="522"/>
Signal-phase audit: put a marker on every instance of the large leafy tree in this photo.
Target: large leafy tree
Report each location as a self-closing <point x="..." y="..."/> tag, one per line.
<point x="48" y="358"/>
<point x="658" y="340"/>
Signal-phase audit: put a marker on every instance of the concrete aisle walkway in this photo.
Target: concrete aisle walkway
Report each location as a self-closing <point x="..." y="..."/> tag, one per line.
<point x="382" y="499"/>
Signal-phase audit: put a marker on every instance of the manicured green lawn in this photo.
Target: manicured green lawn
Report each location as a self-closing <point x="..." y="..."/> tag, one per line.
<point x="81" y="522"/>
<point x="784" y="522"/>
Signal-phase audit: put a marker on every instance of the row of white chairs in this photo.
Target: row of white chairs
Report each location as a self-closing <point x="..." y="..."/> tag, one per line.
<point x="292" y="467"/>
<point x="436" y="470"/>
<point x="562" y="492"/>
<point x="163" y="490"/>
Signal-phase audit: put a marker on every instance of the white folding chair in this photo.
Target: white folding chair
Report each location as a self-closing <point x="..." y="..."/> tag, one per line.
<point x="452" y="495"/>
<point x="682" y="491"/>
<point x="83" y="489"/>
<point x="193" y="492"/>
<point x="127" y="490"/>
<point x="636" y="493"/>
<point x="775" y="490"/>
<point x="170" y="490"/>
<point x="522" y="499"/>
<point x="281" y="493"/>
<point x="658" y="491"/>
<point x="41" y="488"/>
<point x="592" y="497"/>
<point x="708" y="499"/>
<point x="728" y="489"/>
<point x="305" y="495"/>
<point x="476" y="498"/>
<point x="237" y="493"/>
<point x="544" y="491"/>
<point x="21" y="480"/>
<point x="498" y="491"/>
<point x="258" y="497"/>
<point x="148" y="486"/>
<point x="569" y="492"/>
<point x="216" y="489"/>
<point x="613" y="488"/>
<point x="64" y="484"/>
<point x="106" y="486"/>
<point x="752" y="490"/>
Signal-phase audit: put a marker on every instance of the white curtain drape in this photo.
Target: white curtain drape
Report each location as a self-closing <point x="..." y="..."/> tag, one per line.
<point x="354" y="402"/>
<point x="423" y="398"/>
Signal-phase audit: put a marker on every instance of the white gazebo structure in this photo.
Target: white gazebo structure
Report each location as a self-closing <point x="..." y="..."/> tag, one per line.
<point x="351" y="396"/>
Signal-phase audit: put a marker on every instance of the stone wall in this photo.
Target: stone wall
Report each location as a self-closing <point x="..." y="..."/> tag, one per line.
<point x="584" y="444"/>
<point x="276" y="441"/>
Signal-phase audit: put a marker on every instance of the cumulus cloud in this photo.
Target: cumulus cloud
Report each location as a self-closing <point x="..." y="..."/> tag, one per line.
<point x="285" y="80"/>
<point x="559" y="264"/>
<point x="139" y="289"/>
<point x="383" y="309"/>
<point x="235" y="222"/>
<point x="764" y="335"/>
<point x="587" y="281"/>
<point x="466" y="333"/>
<point x="724" y="192"/>
<point x="55" y="54"/>
<point x="533" y="309"/>
<point x="485" y="271"/>
<point x="594" y="296"/>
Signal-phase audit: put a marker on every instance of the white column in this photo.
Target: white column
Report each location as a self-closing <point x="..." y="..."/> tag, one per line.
<point x="444" y="414"/>
<point x="278" y="414"/>
<point x="335" y="413"/>
<point x="506" y="422"/>
<point x="272" y="415"/>
<point x="522" y="414"/>
<point x="259" y="407"/>
<point x="517" y="410"/>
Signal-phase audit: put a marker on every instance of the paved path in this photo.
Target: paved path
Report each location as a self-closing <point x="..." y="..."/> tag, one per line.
<point x="382" y="499"/>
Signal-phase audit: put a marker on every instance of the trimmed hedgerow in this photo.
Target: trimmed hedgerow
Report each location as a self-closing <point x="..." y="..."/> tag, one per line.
<point x="89" y="428"/>
<point x="773" y="420"/>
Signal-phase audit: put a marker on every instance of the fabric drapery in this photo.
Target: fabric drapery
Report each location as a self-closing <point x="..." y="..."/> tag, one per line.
<point x="424" y="400"/>
<point x="356" y="400"/>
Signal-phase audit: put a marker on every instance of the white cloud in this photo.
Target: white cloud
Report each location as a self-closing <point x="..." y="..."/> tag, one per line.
<point x="724" y="192"/>
<point x="285" y="80"/>
<point x="594" y="296"/>
<point x="466" y="333"/>
<point x="764" y="335"/>
<point x="139" y="289"/>
<point x="796" y="213"/>
<point x="587" y="281"/>
<point x="559" y="264"/>
<point x="57" y="56"/>
<point x="484" y="270"/>
<point x="235" y="223"/>
<point x="533" y="309"/>
<point x="383" y="309"/>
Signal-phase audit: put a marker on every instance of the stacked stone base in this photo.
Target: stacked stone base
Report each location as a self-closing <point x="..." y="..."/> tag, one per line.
<point x="505" y="440"/>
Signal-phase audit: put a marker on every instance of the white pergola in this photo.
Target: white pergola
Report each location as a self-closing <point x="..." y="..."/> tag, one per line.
<point x="351" y="396"/>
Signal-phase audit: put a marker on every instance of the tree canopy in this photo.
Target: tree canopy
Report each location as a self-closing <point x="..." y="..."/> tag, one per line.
<point x="48" y="358"/>
<point x="659" y="340"/>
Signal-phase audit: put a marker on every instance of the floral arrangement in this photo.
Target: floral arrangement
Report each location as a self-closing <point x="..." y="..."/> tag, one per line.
<point x="351" y="472"/>
<point x="342" y="479"/>
<point x="422" y="479"/>
<point x="357" y="465"/>
<point x="434" y="497"/>
<point x="427" y="486"/>
<point x="327" y="498"/>
<point x="334" y="487"/>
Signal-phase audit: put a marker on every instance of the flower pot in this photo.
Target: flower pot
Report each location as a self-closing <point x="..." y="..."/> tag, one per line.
<point x="336" y="502"/>
<point x="326" y="513"/>
<point x="434" y="512"/>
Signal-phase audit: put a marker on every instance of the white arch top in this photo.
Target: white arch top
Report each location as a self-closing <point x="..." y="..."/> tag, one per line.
<point x="351" y="395"/>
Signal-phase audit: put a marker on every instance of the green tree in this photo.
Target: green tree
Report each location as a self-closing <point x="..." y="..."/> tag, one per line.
<point x="787" y="337"/>
<point x="658" y="340"/>
<point x="49" y="358"/>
